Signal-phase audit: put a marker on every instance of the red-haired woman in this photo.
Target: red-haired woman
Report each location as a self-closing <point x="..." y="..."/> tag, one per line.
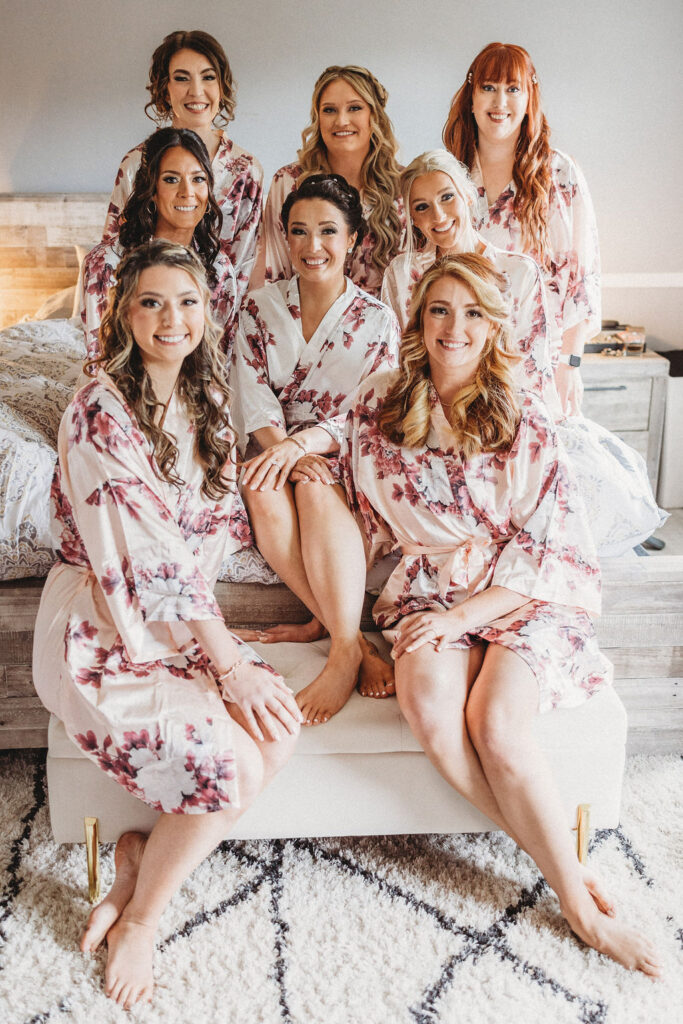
<point x="533" y="199"/>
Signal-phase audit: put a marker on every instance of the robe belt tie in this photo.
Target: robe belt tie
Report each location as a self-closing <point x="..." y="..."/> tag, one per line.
<point x="467" y="563"/>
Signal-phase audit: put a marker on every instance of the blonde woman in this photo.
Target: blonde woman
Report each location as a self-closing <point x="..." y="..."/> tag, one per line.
<point x="489" y="607"/>
<point x="350" y="134"/>
<point x="131" y="651"/>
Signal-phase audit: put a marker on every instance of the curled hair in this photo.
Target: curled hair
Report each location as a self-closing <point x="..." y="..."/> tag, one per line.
<point x="484" y="413"/>
<point x="139" y="215"/>
<point x="428" y="163"/>
<point x="201" y="383"/>
<point x="503" y="62"/>
<point x="379" y="173"/>
<point x="333" y="189"/>
<point x="159" y="109"/>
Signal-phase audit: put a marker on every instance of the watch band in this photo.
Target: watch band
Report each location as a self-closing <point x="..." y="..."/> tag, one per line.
<point x="570" y="360"/>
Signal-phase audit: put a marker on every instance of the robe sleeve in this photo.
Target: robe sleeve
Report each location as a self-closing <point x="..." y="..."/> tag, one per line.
<point x="582" y="300"/>
<point x="97" y="279"/>
<point x="382" y="356"/>
<point x="378" y="538"/>
<point x="144" y="565"/>
<point x="254" y="403"/>
<point x="273" y="252"/>
<point x="247" y="223"/>
<point x="123" y="186"/>
<point x="393" y="294"/>
<point x="552" y="555"/>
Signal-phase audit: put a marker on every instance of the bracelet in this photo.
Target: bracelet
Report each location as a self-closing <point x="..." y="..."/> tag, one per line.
<point x="227" y="696"/>
<point x="298" y="444"/>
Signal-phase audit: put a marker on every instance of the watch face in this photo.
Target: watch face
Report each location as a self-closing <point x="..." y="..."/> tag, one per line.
<point x="575" y="360"/>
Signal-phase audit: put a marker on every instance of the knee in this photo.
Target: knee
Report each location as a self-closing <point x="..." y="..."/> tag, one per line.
<point x="492" y="736"/>
<point x="430" y="721"/>
<point x="275" y="755"/>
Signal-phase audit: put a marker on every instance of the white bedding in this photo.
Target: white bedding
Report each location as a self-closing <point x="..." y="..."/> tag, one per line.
<point x="40" y="362"/>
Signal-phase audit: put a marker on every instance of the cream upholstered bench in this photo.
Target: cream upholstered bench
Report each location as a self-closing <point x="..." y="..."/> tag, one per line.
<point x="362" y="773"/>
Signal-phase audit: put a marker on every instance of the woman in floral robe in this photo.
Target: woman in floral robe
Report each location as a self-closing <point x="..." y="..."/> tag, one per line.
<point x="191" y="84"/>
<point x="489" y="607"/>
<point x="439" y="201"/>
<point x="173" y="199"/>
<point x="532" y="198"/>
<point x="301" y="349"/>
<point x="131" y="649"/>
<point x="350" y="134"/>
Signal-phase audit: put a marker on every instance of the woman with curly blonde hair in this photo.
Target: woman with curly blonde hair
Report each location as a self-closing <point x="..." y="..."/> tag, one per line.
<point x="132" y="653"/>
<point x="350" y="134"/>
<point x="532" y="198"/>
<point x="489" y="607"/>
<point x="191" y="86"/>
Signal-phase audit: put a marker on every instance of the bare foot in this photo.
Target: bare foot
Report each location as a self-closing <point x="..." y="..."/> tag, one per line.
<point x="376" y="676"/>
<point x="599" y="893"/>
<point x="128" y="977"/>
<point x="329" y="692"/>
<point x="286" y="632"/>
<point x="127" y="857"/>
<point x="625" y="945"/>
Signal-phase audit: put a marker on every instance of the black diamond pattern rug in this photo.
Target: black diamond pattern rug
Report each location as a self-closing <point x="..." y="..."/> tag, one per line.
<point x="379" y="930"/>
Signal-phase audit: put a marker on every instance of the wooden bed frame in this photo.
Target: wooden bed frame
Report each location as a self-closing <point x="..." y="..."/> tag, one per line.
<point x="641" y="629"/>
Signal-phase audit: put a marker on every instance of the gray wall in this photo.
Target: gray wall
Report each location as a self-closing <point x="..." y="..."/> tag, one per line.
<point x="73" y="74"/>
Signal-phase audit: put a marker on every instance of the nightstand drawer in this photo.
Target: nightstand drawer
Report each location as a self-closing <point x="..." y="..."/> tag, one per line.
<point x="618" y="404"/>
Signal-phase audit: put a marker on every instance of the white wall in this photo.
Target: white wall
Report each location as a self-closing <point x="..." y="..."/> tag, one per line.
<point x="73" y="75"/>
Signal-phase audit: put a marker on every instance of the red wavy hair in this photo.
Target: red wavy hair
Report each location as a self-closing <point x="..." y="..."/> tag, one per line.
<point x="504" y="62"/>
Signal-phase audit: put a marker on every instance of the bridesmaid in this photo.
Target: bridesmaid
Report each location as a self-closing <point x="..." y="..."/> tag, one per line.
<point x="350" y="134"/>
<point x="532" y="198"/>
<point x="191" y="85"/>
<point x="172" y="198"/>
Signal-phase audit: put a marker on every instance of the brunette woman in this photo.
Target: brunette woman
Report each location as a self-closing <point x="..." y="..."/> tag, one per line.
<point x="350" y="134"/>
<point x="489" y="608"/>
<point x="532" y="198"/>
<point x="191" y="86"/>
<point x="131" y="652"/>
<point x="302" y="347"/>
<point x="172" y="198"/>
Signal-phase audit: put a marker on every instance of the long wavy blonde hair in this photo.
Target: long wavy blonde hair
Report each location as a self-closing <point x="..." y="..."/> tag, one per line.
<point x="503" y="62"/>
<point x="201" y="382"/>
<point x="485" y="413"/>
<point x="380" y="172"/>
<point x="428" y="163"/>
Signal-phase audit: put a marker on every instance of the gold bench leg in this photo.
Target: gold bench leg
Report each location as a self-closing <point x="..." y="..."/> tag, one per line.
<point x="92" y="852"/>
<point x="583" y="831"/>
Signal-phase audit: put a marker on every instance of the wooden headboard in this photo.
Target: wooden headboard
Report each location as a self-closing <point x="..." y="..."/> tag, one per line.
<point x="38" y="235"/>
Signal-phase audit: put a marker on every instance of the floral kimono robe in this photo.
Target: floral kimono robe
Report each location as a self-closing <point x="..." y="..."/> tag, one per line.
<point x="525" y="295"/>
<point x="273" y="251"/>
<point x="238" y="190"/>
<point x="137" y="559"/>
<point x="280" y="380"/>
<point x="573" y="278"/>
<point x="99" y="274"/>
<point x="512" y="520"/>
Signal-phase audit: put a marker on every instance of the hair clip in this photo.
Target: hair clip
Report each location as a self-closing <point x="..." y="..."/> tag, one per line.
<point x="469" y="78"/>
<point x="534" y="80"/>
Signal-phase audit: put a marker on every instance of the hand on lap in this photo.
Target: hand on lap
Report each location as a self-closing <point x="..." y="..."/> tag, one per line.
<point x="312" y="467"/>
<point x="438" y="628"/>
<point x="265" y="700"/>
<point x="270" y="469"/>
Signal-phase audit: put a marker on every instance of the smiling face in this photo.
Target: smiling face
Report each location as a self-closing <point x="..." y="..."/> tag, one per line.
<point x="166" y="318"/>
<point x="454" y="329"/>
<point x="194" y="92"/>
<point x="499" y="109"/>
<point x="182" y="195"/>
<point x="318" y="238"/>
<point x="438" y="210"/>
<point x="344" y="120"/>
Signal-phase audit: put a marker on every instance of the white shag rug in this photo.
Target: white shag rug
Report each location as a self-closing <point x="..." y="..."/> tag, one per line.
<point x="383" y="930"/>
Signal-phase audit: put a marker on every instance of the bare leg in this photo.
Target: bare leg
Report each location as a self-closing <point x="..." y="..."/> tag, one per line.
<point x="500" y="713"/>
<point x="127" y="857"/>
<point x="176" y="845"/>
<point x="292" y="633"/>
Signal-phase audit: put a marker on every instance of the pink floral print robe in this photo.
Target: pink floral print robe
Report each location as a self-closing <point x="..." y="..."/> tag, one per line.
<point x="137" y="559"/>
<point x="528" y="312"/>
<point x="513" y="520"/>
<point x="280" y="380"/>
<point x="573" y="279"/>
<point x="238" y="190"/>
<point x="273" y="251"/>
<point x="99" y="275"/>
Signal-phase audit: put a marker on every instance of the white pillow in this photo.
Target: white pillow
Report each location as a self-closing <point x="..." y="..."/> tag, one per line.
<point x="58" y="306"/>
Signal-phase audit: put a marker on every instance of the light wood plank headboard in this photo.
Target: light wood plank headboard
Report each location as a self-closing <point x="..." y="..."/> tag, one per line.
<point x="38" y="234"/>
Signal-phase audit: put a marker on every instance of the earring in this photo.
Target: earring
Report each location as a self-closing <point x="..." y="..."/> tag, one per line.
<point x="349" y="251"/>
<point x="151" y="208"/>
